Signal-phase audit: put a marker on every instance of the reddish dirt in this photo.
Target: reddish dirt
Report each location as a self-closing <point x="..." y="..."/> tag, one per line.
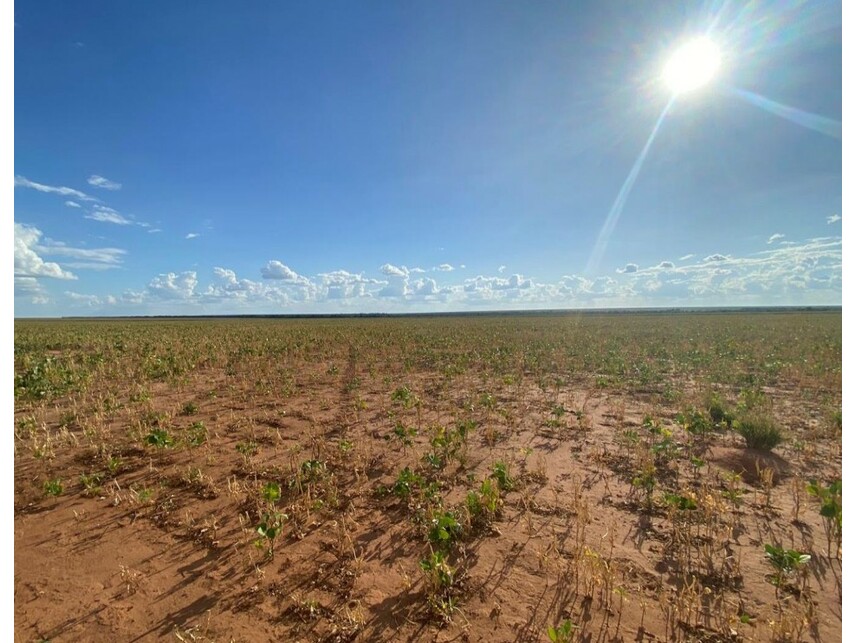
<point x="181" y="564"/>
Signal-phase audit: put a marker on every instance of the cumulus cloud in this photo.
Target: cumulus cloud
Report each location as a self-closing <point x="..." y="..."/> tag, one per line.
<point x="833" y="218"/>
<point x="191" y="235"/>
<point x="394" y="271"/>
<point x="775" y="237"/>
<point x="426" y="287"/>
<point x="803" y="273"/>
<point x="173" y="286"/>
<point x="341" y="284"/>
<point x="28" y="263"/>
<point x="279" y="271"/>
<point x="444" y="267"/>
<point x="24" y="182"/>
<point x="396" y="282"/>
<point x="501" y="269"/>
<point x="87" y="300"/>
<point x="628" y="269"/>
<point x="104" y="184"/>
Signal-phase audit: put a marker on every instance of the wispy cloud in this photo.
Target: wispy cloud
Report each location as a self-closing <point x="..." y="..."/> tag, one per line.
<point x="629" y="269"/>
<point x="85" y="258"/>
<point x="107" y="215"/>
<point x="72" y="204"/>
<point x="775" y="237"/>
<point x="103" y="183"/>
<point x="153" y="230"/>
<point x="24" y="182"/>
<point x="444" y="267"/>
<point x="192" y="235"/>
<point x="717" y="258"/>
<point x="833" y="218"/>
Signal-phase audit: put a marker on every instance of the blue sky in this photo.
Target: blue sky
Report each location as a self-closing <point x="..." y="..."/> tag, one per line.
<point x="181" y="158"/>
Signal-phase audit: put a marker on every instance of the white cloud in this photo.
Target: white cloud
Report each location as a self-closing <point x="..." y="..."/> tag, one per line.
<point x="28" y="263"/>
<point x="24" y="182"/>
<point x="191" y="235"/>
<point x="107" y="215"/>
<point x="501" y="269"/>
<point x="173" y="286"/>
<point x="686" y="257"/>
<point x="154" y="230"/>
<point x="394" y="271"/>
<point x="833" y="218"/>
<point x="426" y="287"/>
<point x="628" y="269"/>
<point x="72" y="204"/>
<point x="88" y="300"/>
<point x="775" y="237"/>
<point x="805" y="273"/>
<point x="109" y="256"/>
<point x="278" y="270"/>
<point x="444" y="267"/>
<point x="341" y="284"/>
<point x="104" y="184"/>
<point x="416" y="270"/>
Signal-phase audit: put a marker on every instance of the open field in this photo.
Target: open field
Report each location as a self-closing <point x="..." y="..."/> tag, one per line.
<point x="450" y="478"/>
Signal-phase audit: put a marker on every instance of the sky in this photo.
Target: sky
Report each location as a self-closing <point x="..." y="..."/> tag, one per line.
<point x="342" y="157"/>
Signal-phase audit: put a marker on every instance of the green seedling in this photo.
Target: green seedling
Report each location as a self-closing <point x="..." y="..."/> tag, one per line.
<point x="784" y="561"/>
<point x="403" y="396"/>
<point x="407" y="482"/>
<point x="312" y="469"/>
<point x="159" y="438"/>
<point x="53" y="487"/>
<point x="500" y="473"/>
<point x="439" y="573"/>
<point x="271" y="492"/>
<point x="91" y="483"/>
<point x="197" y="434"/>
<point x="831" y="507"/>
<point x="484" y="505"/>
<point x="562" y="633"/>
<point x="694" y="422"/>
<point x="189" y="409"/>
<point x="269" y="528"/>
<point x="404" y="434"/>
<point x="114" y="463"/>
<point x="683" y="503"/>
<point x="247" y="449"/>
<point x="444" y="529"/>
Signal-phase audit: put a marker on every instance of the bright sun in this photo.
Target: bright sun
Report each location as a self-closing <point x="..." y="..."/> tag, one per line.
<point x="692" y="65"/>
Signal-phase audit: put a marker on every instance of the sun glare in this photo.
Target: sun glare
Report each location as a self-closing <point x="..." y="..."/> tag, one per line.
<point x="692" y="65"/>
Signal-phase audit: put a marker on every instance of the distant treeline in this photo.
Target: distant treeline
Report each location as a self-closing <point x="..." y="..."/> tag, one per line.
<point x="498" y="313"/>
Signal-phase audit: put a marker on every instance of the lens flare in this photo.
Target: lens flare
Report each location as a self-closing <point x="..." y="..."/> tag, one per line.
<point x="692" y="65"/>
